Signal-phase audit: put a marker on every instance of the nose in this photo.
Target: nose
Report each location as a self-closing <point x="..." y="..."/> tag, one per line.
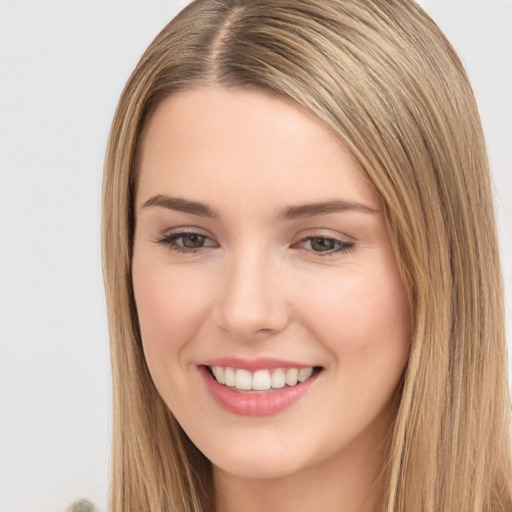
<point x="251" y="302"/>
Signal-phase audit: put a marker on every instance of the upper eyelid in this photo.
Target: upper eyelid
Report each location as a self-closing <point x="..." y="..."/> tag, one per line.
<point x="344" y="239"/>
<point x="187" y="231"/>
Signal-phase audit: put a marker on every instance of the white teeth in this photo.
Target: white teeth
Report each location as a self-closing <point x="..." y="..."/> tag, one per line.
<point x="305" y="373"/>
<point x="229" y="377"/>
<point x="218" y="372"/>
<point x="278" y="379"/>
<point x="243" y="380"/>
<point x="260" y="380"/>
<point x="292" y="376"/>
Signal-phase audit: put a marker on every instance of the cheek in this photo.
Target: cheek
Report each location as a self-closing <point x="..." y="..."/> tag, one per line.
<point x="364" y="323"/>
<point x="171" y="307"/>
<point x="365" y="315"/>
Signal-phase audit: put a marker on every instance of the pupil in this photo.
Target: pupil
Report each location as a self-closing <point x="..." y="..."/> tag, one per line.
<point x="322" y="244"/>
<point x="193" y="241"/>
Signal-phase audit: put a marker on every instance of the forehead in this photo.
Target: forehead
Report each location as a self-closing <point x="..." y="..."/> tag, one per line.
<point x="216" y="143"/>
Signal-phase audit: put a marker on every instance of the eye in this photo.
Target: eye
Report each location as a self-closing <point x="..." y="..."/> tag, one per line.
<point x="191" y="240"/>
<point x="186" y="241"/>
<point x="325" y="245"/>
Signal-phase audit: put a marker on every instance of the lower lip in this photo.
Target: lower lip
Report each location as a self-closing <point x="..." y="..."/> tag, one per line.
<point x="260" y="404"/>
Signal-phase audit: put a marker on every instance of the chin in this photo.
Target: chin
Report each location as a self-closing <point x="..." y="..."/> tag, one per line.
<point x="257" y="462"/>
<point x="260" y="470"/>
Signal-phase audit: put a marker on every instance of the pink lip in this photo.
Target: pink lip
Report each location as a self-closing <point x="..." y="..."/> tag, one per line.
<point x="253" y="364"/>
<point x="246" y="404"/>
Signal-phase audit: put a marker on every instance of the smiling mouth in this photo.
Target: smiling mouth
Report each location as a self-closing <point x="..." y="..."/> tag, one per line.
<point x="261" y="381"/>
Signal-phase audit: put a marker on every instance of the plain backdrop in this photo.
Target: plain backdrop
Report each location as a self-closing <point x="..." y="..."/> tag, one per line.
<point x="62" y="67"/>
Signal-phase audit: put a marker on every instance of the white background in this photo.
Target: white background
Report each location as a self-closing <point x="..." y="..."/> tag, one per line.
<point x="62" y="67"/>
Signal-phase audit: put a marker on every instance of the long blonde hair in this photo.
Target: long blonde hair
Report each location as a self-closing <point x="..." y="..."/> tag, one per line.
<point x="384" y="79"/>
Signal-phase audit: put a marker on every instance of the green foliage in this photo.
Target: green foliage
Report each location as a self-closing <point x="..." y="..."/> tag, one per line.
<point x="82" y="506"/>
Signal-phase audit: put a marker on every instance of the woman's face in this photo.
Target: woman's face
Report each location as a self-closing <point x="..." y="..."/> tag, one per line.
<point x="261" y="255"/>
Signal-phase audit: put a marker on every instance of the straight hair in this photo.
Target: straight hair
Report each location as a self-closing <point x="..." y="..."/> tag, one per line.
<point x="384" y="79"/>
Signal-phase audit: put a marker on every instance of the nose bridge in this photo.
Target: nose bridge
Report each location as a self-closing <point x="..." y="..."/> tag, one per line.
<point x="251" y="303"/>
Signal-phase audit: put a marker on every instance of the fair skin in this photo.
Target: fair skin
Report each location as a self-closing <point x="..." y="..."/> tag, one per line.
<point x="254" y="280"/>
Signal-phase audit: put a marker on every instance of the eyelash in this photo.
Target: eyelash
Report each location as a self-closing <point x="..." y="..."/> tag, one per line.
<point x="342" y="246"/>
<point x="170" y="241"/>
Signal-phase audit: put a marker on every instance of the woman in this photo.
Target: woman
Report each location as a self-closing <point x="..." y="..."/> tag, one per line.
<point x="302" y="269"/>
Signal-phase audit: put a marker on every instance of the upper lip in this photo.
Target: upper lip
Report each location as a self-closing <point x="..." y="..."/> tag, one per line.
<point x="264" y="363"/>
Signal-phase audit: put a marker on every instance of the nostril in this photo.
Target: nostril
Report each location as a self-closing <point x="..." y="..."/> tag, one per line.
<point x="263" y="331"/>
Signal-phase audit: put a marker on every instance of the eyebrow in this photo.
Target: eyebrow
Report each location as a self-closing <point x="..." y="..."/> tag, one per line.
<point x="180" y="205"/>
<point x="289" y="213"/>
<point x="335" y="206"/>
